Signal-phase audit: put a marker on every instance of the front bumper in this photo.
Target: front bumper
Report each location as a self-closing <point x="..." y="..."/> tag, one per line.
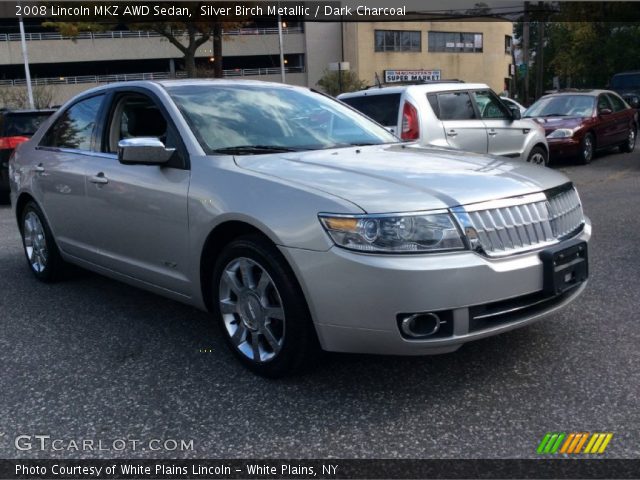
<point x="563" y="147"/>
<point x="356" y="299"/>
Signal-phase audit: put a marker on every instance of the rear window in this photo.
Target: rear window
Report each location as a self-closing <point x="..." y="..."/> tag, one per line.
<point x="382" y="108"/>
<point x="22" y="124"/>
<point x="626" y="81"/>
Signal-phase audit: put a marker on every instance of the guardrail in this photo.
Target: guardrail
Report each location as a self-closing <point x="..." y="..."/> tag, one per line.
<point x="39" y="36"/>
<point x="127" y="77"/>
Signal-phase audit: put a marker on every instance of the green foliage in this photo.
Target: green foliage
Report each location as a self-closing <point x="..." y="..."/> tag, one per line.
<point x="586" y="43"/>
<point x="330" y="82"/>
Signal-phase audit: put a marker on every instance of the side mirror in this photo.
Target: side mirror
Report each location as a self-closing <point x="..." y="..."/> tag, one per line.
<point x="605" y="111"/>
<point x="143" y="151"/>
<point x="515" y="112"/>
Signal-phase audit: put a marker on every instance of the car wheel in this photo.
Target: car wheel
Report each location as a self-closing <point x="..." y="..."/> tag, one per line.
<point x="261" y="309"/>
<point x="587" y="147"/>
<point x="538" y="156"/>
<point x="630" y="143"/>
<point x="40" y="248"/>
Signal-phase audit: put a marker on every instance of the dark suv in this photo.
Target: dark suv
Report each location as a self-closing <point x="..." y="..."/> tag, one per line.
<point x="16" y="126"/>
<point x="627" y="85"/>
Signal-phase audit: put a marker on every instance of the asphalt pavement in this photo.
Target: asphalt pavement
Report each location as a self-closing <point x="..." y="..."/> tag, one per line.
<point x="93" y="359"/>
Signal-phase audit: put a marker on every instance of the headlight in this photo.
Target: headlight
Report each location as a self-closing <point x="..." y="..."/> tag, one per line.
<point x="394" y="233"/>
<point x="561" y="133"/>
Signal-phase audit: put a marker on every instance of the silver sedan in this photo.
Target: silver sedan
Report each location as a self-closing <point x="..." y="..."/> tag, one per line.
<point x="297" y="222"/>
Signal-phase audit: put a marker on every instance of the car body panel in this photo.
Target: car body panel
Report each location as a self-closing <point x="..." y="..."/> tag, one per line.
<point x="609" y="129"/>
<point x="512" y="138"/>
<point x="149" y="226"/>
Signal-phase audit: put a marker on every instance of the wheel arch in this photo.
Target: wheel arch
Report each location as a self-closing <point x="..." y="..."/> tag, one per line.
<point x="217" y="239"/>
<point x="21" y="203"/>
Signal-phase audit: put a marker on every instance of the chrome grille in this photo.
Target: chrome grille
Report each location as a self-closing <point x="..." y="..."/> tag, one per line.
<point x="513" y="225"/>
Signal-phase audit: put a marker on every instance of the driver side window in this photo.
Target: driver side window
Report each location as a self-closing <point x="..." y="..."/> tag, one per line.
<point x="490" y="106"/>
<point x="135" y="116"/>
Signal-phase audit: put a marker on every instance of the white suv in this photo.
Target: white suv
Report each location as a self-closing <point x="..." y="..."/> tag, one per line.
<point x="464" y="116"/>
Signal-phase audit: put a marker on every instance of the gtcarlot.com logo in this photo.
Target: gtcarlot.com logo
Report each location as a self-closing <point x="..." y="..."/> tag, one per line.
<point x="573" y="443"/>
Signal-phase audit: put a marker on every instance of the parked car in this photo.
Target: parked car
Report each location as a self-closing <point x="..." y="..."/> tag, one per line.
<point x="295" y="233"/>
<point x="627" y="85"/>
<point x="16" y="126"/>
<point x="512" y="104"/>
<point x="463" y="116"/>
<point x="579" y="122"/>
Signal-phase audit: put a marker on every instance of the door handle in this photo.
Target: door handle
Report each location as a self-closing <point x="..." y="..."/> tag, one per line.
<point x="39" y="168"/>
<point x="99" y="179"/>
<point x="452" y="133"/>
<point x="492" y="133"/>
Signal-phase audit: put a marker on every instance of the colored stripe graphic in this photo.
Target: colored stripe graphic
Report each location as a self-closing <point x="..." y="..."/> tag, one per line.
<point x="572" y="443"/>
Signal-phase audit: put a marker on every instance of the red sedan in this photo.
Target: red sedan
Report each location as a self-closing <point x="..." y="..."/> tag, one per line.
<point x="579" y="122"/>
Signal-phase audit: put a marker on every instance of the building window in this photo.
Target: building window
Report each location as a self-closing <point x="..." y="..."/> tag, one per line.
<point x="455" y="42"/>
<point x="397" y="41"/>
<point x="507" y="44"/>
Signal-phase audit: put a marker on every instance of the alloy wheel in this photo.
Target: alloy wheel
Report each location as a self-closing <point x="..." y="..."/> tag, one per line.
<point x="631" y="141"/>
<point x="252" y="310"/>
<point x="537" y="159"/>
<point x="35" y="242"/>
<point x="587" y="148"/>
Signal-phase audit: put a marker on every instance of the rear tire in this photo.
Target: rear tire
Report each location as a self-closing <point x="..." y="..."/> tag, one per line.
<point x="538" y="156"/>
<point x="261" y="309"/>
<point x="41" y="251"/>
<point x="587" y="149"/>
<point x="630" y="143"/>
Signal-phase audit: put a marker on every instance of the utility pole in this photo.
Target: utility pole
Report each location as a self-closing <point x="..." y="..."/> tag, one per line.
<point x="27" y="72"/>
<point x="525" y="52"/>
<point x="281" y="48"/>
<point x="540" y="52"/>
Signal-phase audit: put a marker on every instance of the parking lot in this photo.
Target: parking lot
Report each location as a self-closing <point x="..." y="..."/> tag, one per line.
<point x="90" y="358"/>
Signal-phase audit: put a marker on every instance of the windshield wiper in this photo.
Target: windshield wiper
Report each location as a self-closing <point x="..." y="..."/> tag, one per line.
<point x="255" y="149"/>
<point x="555" y="115"/>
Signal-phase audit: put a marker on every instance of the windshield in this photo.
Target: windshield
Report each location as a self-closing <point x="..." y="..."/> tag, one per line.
<point x="562" y="106"/>
<point x="626" y="81"/>
<point x="249" y="119"/>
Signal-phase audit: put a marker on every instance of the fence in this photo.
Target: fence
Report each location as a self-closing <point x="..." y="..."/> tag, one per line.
<point x="15" y="37"/>
<point x="126" y="77"/>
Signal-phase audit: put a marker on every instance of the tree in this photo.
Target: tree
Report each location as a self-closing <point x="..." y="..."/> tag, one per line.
<point x="330" y="82"/>
<point x="17" y="97"/>
<point x="185" y="34"/>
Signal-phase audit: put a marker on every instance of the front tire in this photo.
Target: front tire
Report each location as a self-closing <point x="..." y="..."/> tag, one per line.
<point x="630" y="143"/>
<point x="587" y="149"/>
<point x="261" y="309"/>
<point x="43" y="256"/>
<point x="538" y="156"/>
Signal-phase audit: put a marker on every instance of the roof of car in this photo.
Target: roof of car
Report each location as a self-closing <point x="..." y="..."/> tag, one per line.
<point x="4" y="111"/>
<point x="426" y="88"/>
<point x="579" y="91"/>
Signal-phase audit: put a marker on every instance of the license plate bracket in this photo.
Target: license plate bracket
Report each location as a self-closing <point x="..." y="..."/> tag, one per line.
<point x="564" y="267"/>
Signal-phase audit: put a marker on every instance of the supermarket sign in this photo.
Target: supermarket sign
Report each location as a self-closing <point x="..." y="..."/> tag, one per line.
<point x="391" y="76"/>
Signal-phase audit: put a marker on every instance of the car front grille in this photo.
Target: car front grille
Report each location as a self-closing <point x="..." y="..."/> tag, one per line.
<point x="513" y="225"/>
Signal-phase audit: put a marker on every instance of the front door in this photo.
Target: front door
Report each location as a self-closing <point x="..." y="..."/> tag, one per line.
<point x="506" y="136"/>
<point x="139" y="212"/>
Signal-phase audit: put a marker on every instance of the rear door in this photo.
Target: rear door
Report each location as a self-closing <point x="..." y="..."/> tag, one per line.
<point x="462" y="126"/>
<point x="621" y="116"/>
<point x="61" y="161"/>
<point x="506" y="136"/>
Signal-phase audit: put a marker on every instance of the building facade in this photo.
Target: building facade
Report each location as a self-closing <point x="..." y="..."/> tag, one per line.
<point x="404" y="51"/>
<point x="469" y="51"/>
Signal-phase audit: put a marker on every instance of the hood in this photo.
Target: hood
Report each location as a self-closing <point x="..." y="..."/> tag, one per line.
<point x="553" y="123"/>
<point x="405" y="178"/>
